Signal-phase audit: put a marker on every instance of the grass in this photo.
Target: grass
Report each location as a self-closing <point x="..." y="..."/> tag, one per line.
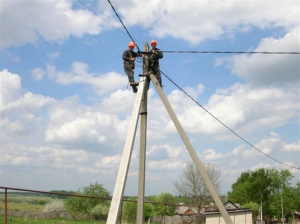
<point x="21" y="220"/>
<point x="22" y="207"/>
<point x="24" y="220"/>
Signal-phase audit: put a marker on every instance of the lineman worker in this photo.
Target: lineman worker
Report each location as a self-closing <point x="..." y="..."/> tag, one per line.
<point x="154" y="61"/>
<point x="129" y="57"/>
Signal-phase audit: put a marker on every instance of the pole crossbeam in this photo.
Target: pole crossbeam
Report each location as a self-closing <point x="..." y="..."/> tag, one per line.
<point x="140" y="108"/>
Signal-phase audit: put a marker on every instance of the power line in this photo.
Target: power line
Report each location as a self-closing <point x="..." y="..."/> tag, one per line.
<point x="101" y="17"/>
<point x="123" y="25"/>
<point x="243" y="139"/>
<point x="233" y="52"/>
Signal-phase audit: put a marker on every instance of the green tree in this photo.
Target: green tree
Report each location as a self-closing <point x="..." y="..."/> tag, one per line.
<point x="266" y="186"/>
<point x="253" y="206"/>
<point x="85" y="206"/>
<point x="164" y="208"/>
<point x="148" y="211"/>
<point x="129" y="212"/>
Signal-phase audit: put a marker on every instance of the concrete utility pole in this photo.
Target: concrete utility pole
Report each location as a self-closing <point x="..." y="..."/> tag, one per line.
<point x="125" y="160"/>
<point x="143" y="136"/>
<point x="282" y="217"/>
<point x="140" y="106"/>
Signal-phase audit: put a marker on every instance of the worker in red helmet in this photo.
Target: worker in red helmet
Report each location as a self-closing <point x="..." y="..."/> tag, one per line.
<point x="154" y="61"/>
<point x="129" y="57"/>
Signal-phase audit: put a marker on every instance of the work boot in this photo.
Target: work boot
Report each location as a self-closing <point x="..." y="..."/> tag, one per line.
<point x="134" y="89"/>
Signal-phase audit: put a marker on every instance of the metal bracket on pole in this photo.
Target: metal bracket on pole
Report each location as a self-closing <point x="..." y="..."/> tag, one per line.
<point x="190" y="149"/>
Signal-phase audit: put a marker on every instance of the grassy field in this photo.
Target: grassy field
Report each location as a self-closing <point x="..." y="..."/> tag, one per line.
<point x="23" y="207"/>
<point x="21" y="220"/>
<point x="29" y="203"/>
<point x="18" y="220"/>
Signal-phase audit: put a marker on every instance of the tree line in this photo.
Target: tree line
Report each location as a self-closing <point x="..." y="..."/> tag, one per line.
<point x="270" y="189"/>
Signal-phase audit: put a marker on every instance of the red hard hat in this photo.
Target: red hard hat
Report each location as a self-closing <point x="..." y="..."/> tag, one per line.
<point x="153" y="42"/>
<point x="131" y="44"/>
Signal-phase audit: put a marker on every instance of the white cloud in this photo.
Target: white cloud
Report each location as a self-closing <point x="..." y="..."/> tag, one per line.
<point x="25" y="22"/>
<point x="211" y="155"/>
<point x="88" y="129"/>
<point x="53" y="54"/>
<point x="201" y="20"/>
<point x="292" y="147"/>
<point x="22" y="113"/>
<point x="277" y="69"/>
<point x="79" y="74"/>
<point x="56" y="21"/>
<point x="270" y="145"/>
<point x="236" y="107"/>
<point x="10" y="87"/>
<point x="38" y="73"/>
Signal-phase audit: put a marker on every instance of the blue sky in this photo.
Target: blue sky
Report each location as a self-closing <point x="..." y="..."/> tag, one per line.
<point x="66" y="104"/>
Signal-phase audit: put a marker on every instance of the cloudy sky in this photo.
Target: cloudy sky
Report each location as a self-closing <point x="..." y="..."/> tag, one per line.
<point x="65" y="102"/>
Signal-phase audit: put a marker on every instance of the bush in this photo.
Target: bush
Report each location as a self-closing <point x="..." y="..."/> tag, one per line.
<point x="84" y="206"/>
<point x="100" y="212"/>
<point x="129" y="211"/>
<point x="55" y="207"/>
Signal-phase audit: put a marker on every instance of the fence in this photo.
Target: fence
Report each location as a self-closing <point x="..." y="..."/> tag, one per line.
<point x="158" y="219"/>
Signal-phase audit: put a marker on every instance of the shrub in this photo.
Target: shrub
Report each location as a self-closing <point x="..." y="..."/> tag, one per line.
<point x="100" y="212"/>
<point x="55" y="207"/>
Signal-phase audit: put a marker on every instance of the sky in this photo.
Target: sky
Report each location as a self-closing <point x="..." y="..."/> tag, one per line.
<point x="66" y="105"/>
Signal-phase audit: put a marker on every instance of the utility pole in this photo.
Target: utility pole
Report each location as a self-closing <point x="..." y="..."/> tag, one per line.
<point x="140" y="108"/>
<point x="143" y="137"/>
<point x="282" y="218"/>
<point x="117" y="198"/>
<point x="261" y="213"/>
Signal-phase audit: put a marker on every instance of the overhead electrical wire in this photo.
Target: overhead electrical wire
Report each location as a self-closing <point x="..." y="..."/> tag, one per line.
<point x="123" y="25"/>
<point x="101" y="17"/>
<point x="233" y="52"/>
<point x="243" y="139"/>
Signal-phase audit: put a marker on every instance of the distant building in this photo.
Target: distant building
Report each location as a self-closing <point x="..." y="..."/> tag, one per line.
<point x="186" y="210"/>
<point x="296" y="218"/>
<point x="238" y="215"/>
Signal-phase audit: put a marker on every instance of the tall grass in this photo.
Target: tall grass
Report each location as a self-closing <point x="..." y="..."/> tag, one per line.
<point x="25" y="220"/>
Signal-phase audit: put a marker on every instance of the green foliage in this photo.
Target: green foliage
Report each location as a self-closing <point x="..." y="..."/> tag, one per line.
<point x="253" y="206"/>
<point x="129" y="211"/>
<point x="148" y="211"/>
<point x="165" y="198"/>
<point x="100" y="212"/>
<point x="240" y="189"/>
<point x="268" y="186"/>
<point x="85" y="206"/>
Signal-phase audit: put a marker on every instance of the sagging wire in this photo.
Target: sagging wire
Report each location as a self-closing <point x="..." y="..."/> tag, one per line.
<point x="232" y="131"/>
